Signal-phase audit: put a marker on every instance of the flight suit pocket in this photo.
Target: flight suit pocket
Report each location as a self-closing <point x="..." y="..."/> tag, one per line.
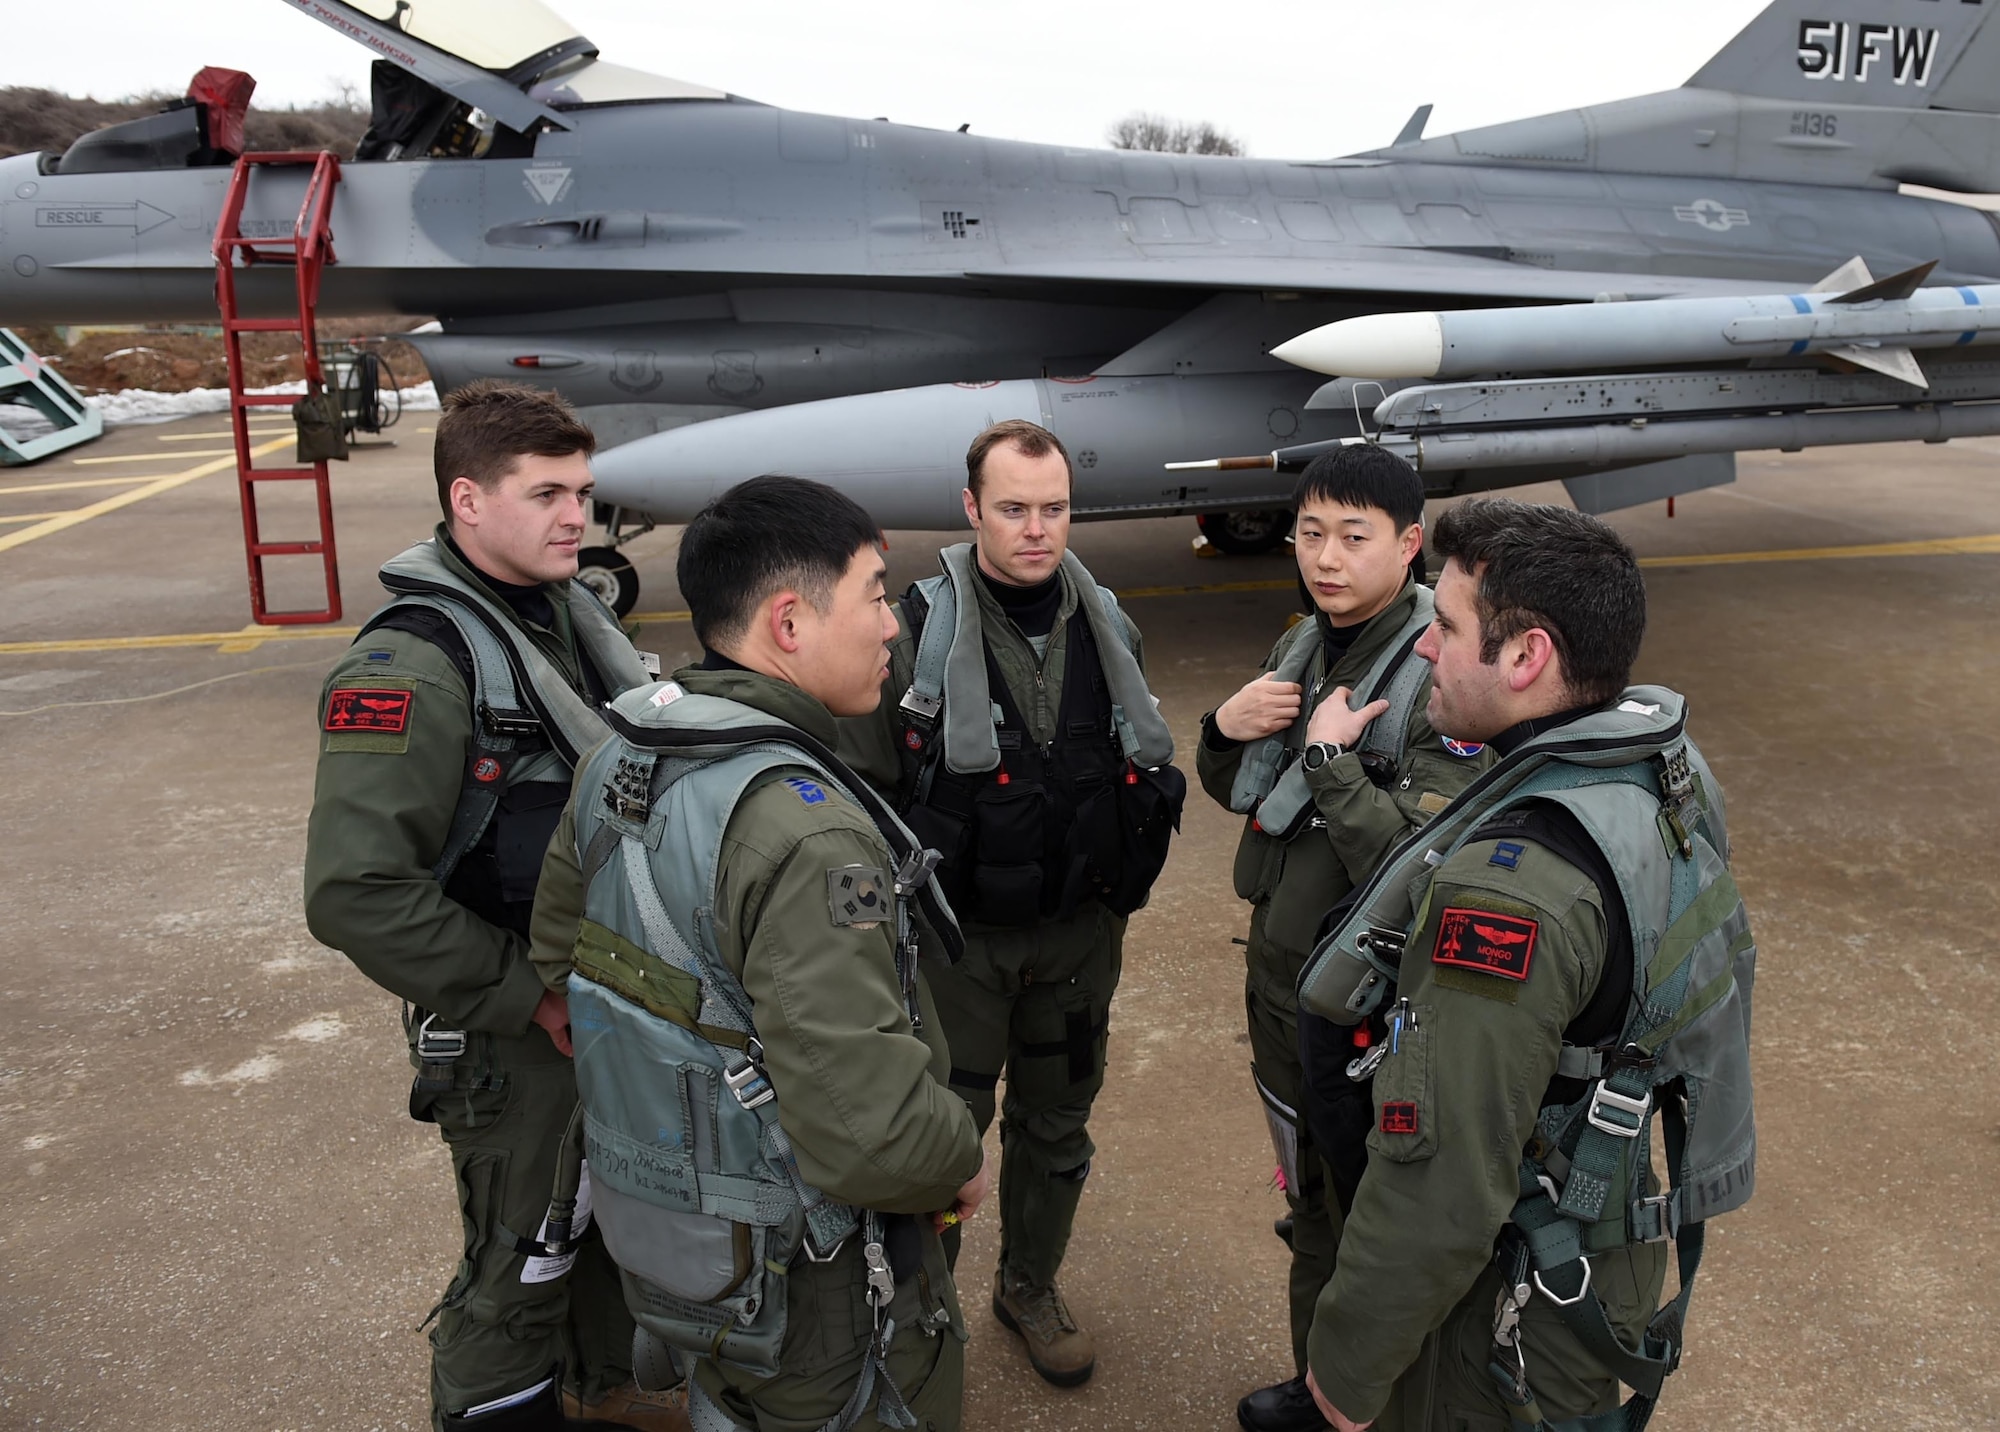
<point x="1405" y="1126"/>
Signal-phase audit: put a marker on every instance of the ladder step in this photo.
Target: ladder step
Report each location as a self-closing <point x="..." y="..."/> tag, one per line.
<point x="287" y="549"/>
<point x="267" y="400"/>
<point x="260" y="325"/>
<point x="281" y="474"/>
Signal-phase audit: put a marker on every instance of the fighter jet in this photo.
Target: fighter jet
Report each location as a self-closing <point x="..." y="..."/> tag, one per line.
<point x="727" y="287"/>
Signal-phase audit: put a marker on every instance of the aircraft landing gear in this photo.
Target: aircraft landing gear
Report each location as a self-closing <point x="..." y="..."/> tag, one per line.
<point x="1246" y="533"/>
<point x="609" y="572"/>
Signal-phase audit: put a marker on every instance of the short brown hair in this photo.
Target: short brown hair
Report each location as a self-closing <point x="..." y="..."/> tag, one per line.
<point x="488" y="423"/>
<point x="1026" y="438"/>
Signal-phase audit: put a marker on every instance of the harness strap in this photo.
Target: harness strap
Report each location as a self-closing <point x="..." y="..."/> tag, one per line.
<point x="1078" y="1044"/>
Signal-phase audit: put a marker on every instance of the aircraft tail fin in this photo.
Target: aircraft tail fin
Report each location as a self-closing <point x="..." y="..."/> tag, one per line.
<point x="1901" y="54"/>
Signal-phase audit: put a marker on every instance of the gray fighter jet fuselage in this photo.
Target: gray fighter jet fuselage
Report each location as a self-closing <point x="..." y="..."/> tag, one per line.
<point x="676" y="255"/>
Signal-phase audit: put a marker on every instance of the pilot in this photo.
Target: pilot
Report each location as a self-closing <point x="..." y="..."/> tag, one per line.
<point x="738" y="920"/>
<point x="1328" y="756"/>
<point x="1017" y="737"/>
<point x="448" y="734"/>
<point x="1507" y="1243"/>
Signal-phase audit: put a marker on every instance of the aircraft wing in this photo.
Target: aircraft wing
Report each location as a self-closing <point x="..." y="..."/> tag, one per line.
<point x="1396" y="272"/>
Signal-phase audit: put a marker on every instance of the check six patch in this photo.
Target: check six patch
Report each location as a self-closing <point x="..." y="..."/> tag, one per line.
<point x="1485" y="940"/>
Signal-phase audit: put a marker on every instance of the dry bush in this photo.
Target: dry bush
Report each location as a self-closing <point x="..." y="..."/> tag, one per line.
<point x="40" y="119"/>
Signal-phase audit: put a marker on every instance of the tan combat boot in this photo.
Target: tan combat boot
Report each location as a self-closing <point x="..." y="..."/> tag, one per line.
<point x="631" y="1406"/>
<point x="1062" y="1352"/>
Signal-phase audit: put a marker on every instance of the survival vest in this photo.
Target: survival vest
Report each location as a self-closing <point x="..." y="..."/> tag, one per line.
<point x="693" y="1180"/>
<point x="1270" y="783"/>
<point x="1027" y="832"/>
<point x="530" y="727"/>
<point x="1642" y="792"/>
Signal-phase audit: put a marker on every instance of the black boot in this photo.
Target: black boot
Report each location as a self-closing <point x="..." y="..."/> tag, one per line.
<point x="1286" y="1407"/>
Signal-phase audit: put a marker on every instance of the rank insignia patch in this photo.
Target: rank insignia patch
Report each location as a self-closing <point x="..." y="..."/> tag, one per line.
<point x="354" y="709"/>
<point x="1481" y="940"/>
<point x="1399" y="1116"/>
<point x="856" y="895"/>
<point x="811" y="792"/>
<point x="1506" y="854"/>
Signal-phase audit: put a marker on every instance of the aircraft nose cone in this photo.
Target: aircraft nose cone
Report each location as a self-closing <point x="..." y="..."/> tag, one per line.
<point x="1376" y="345"/>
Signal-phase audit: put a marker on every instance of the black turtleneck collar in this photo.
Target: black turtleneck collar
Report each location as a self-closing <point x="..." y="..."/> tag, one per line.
<point x="716" y="661"/>
<point x="1336" y="639"/>
<point x="1032" y="609"/>
<point x="530" y="604"/>
<point x="1521" y="732"/>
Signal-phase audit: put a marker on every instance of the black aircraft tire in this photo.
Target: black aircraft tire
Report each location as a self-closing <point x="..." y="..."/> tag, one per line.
<point x="607" y="572"/>
<point x="1246" y="533"/>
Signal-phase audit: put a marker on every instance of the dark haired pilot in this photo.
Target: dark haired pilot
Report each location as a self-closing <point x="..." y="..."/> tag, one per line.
<point x="440" y="780"/>
<point x="1329" y="758"/>
<point x="835" y="1308"/>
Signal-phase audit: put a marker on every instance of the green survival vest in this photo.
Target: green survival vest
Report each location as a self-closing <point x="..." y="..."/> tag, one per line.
<point x="1643" y="793"/>
<point x="693" y="1181"/>
<point x="1270" y="783"/>
<point x="518" y="693"/>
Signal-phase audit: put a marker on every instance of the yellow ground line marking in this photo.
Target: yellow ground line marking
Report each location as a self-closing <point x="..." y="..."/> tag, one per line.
<point x="198" y="437"/>
<point x="33" y="516"/>
<point x="6" y="491"/>
<point x="131" y="495"/>
<point x="1931" y="547"/>
<point x="151" y="457"/>
<point x="251" y="637"/>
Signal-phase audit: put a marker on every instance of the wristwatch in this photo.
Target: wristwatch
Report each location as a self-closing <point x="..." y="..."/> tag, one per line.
<point x="1320" y="752"/>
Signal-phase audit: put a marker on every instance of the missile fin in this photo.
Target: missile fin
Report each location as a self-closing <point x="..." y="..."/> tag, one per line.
<point x="1892" y="361"/>
<point x="1896" y="286"/>
<point x="1852" y="274"/>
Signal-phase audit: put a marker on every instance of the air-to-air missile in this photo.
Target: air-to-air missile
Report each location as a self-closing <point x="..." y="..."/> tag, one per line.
<point x="1814" y="369"/>
<point x="1874" y="325"/>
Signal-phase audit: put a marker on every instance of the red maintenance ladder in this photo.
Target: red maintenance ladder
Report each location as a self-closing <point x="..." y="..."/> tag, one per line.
<point x="308" y="249"/>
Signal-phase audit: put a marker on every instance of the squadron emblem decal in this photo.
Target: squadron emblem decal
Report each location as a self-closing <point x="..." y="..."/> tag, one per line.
<point x="1485" y="940"/>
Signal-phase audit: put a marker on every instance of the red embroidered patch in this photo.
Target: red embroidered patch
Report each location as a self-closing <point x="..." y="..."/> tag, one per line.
<point x="353" y="709"/>
<point x="1399" y="1116"/>
<point x="913" y="740"/>
<point x="486" y="769"/>
<point x="1481" y="940"/>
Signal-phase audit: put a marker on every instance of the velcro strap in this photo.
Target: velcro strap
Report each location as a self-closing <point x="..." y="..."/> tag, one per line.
<point x="1577" y="1063"/>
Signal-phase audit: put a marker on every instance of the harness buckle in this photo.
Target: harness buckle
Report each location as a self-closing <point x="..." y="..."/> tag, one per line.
<point x="1363" y="1065"/>
<point x="439" y="1046"/>
<point x="1621" y="1107"/>
<point x="509" y="723"/>
<point x="1658" y="1214"/>
<point x="915" y="870"/>
<point x="921" y="707"/>
<point x="748" y="1082"/>
<point x="1562" y="1302"/>
<point x="806" y="1249"/>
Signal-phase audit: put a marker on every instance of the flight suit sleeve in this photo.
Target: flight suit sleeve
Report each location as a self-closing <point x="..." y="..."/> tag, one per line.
<point x="860" y="1094"/>
<point x="558" y="904"/>
<point x="394" y="741"/>
<point x="1364" y="821"/>
<point x="871" y="745"/>
<point x="1216" y="757"/>
<point x="1509" y="949"/>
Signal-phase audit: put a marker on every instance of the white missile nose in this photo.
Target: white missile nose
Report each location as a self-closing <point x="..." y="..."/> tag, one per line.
<point x="1376" y="345"/>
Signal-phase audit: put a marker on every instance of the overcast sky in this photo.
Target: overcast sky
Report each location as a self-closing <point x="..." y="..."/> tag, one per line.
<point x="1292" y="78"/>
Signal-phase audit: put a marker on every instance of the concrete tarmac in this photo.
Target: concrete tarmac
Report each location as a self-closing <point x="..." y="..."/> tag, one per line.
<point x="218" y="1216"/>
